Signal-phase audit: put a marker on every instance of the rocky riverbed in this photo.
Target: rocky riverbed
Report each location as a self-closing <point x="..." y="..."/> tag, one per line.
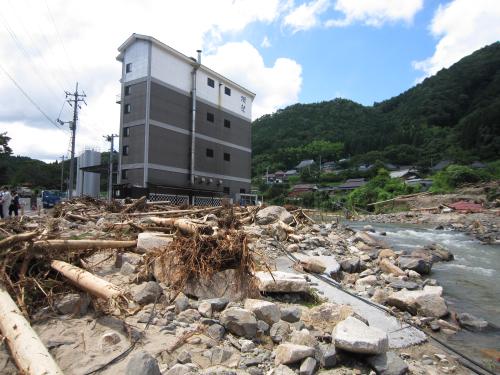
<point x="281" y="321"/>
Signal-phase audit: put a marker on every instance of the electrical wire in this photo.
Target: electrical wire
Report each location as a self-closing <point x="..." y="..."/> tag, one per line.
<point x="60" y="39"/>
<point x="32" y="101"/>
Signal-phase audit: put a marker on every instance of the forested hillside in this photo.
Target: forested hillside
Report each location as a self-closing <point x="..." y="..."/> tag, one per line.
<point x="454" y="114"/>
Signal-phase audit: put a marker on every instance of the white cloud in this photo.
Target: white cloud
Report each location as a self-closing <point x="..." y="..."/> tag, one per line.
<point x="266" y="43"/>
<point x="375" y="12"/>
<point x="275" y="86"/>
<point x="91" y="35"/>
<point x="463" y="26"/>
<point x="306" y="16"/>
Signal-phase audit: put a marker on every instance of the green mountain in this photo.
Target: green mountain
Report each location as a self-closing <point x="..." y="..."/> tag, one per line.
<point x="454" y="114"/>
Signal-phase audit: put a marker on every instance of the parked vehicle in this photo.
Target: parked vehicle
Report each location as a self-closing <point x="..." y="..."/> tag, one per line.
<point x="50" y="198"/>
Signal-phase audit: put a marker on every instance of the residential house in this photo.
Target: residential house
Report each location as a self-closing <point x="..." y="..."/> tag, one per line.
<point x="405" y="174"/>
<point x="304" y="164"/>
<point x="441" y="165"/>
<point x="351" y="184"/>
<point x="301" y="189"/>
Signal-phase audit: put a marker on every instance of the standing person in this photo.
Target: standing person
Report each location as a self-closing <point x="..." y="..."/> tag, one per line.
<point x="14" y="206"/>
<point x="6" y="201"/>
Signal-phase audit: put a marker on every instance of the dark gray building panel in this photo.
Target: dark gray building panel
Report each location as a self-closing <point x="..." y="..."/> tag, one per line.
<point x="137" y="101"/>
<point x="158" y="177"/>
<point x="135" y="143"/>
<point x="238" y="165"/>
<point x="134" y="176"/>
<point x="169" y="148"/>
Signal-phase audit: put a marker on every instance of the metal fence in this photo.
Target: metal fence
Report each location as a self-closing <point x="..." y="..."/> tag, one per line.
<point x="175" y="200"/>
<point x="207" y="201"/>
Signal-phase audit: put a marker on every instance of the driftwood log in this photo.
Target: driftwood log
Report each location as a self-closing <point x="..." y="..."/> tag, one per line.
<point x="28" y="351"/>
<point x="185" y="226"/>
<point x="84" y="244"/>
<point x="87" y="281"/>
<point x="133" y="206"/>
<point x="6" y="242"/>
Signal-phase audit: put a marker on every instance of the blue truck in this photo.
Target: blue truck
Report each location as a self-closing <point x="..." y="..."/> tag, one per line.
<point x="50" y="198"/>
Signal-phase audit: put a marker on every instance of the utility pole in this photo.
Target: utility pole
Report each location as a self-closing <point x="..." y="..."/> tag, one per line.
<point x="62" y="173"/>
<point x="73" y="100"/>
<point x="110" y="138"/>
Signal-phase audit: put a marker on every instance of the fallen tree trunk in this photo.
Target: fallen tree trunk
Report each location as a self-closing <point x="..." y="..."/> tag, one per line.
<point x="87" y="281"/>
<point x="6" y="242"/>
<point x="400" y="197"/>
<point x="84" y="244"/>
<point x="175" y="213"/>
<point x="183" y="225"/>
<point x="28" y="351"/>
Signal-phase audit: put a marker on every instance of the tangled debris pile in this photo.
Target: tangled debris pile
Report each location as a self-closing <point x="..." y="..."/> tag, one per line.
<point x="148" y="288"/>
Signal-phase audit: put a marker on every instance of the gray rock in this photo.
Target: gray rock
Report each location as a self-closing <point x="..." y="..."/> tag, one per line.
<point x="263" y="326"/>
<point x="255" y="371"/>
<point x="219" y="356"/>
<point x="142" y="363"/>
<point x="327" y="356"/>
<point x="308" y="367"/>
<point x="291" y="353"/>
<point x="184" y="357"/>
<point x="147" y="292"/>
<point x="218" y="304"/>
<point x="279" y="331"/>
<point x="189" y="316"/>
<point x="283" y="282"/>
<point x="181" y="303"/>
<point x="131" y="258"/>
<point x="216" y="332"/>
<point x="149" y="241"/>
<point x="420" y="265"/>
<point x="205" y="309"/>
<point x="471" y="322"/>
<point x="246" y="345"/>
<point x="431" y="305"/>
<point x="177" y="369"/>
<point x="239" y="321"/>
<point x="400" y="284"/>
<point x="291" y="314"/>
<point x="272" y="214"/>
<point x="283" y="370"/>
<point x="264" y="310"/>
<point x="127" y="269"/>
<point x="73" y="303"/>
<point x="354" y="336"/>
<point x="351" y="265"/>
<point x="387" y="364"/>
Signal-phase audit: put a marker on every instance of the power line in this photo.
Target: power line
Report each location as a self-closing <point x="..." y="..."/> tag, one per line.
<point x="32" y="101"/>
<point x="60" y="39"/>
<point x="19" y="21"/>
<point x="23" y="50"/>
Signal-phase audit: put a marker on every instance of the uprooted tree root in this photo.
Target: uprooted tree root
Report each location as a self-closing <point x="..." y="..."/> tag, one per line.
<point x="201" y="257"/>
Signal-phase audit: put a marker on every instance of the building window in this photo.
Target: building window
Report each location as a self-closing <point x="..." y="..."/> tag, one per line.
<point x="125" y="151"/>
<point x="226" y="190"/>
<point x="128" y="90"/>
<point x="127" y="109"/>
<point x="126" y="132"/>
<point x="124" y="174"/>
<point x="227" y="123"/>
<point x="210" y="117"/>
<point x="128" y="68"/>
<point x="227" y="156"/>
<point x="242" y="191"/>
<point x="210" y="153"/>
<point x="210" y="82"/>
<point x="227" y="91"/>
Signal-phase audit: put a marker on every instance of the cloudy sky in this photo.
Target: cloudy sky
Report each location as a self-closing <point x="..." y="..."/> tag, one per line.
<point x="284" y="50"/>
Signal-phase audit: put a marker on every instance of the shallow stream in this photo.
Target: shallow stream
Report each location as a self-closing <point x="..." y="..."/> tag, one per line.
<point x="471" y="282"/>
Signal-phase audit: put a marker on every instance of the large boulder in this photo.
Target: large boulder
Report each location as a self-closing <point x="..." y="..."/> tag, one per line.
<point x="239" y="321"/>
<point x="312" y="264"/>
<point x="288" y="353"/>
<point x="147" y="292"/>
<point x="427" y="302"/>
<point x="420" y="265"/>
<point x="471" y="322"/>
<point x="267" y="311"/>
<point x="365" y="238"/>
<point x="351" y="265"/>
<point x="272" y="214"/>
<point x="283" y="282"/>
<point x="326" y="316"/>
<point x="387" y="364"/>
<point x="142" y="363"/>
<point x="291" y="314"/>
<point x="279" y="331"/>
<point x="149" y="241"/>
<point x="226" y="284"/>
<point x="386" y="266"/>
<point x="354" y="336"/>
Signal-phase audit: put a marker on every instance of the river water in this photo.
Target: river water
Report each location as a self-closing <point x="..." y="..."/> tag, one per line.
<point x="471" y="282"/>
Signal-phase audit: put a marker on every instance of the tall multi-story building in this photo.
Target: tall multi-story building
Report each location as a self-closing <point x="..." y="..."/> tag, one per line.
<point x="184" y="129"/>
